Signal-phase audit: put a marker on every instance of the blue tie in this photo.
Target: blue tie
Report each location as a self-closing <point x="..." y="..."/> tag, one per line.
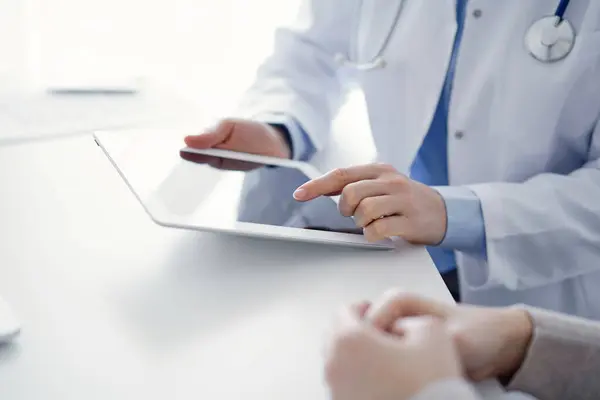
<point x="431" y="163"/>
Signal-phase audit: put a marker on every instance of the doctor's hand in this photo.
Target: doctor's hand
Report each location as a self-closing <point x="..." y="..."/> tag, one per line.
<point x="383" y="202"/>
<point x="221" y="163"/>
<point x="363" y="363"/>
<point x="243" y="136"/>
<point x="491" y="342"/>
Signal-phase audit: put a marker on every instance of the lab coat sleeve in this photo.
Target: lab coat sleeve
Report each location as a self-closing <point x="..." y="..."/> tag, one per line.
<point x="301" y="79"/>
<point x="544" y="230"/>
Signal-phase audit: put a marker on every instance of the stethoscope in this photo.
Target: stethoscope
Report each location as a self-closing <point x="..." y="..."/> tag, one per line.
<point x="548" y="40"/>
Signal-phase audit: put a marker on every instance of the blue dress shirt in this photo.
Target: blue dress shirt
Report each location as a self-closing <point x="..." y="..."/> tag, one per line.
<point x="431" y="164"/>
<point x="465" y="229"/>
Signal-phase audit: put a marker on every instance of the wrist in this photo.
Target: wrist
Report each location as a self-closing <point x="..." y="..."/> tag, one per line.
<point x="432" y="215"/>
<point x="283" y="139"/>
<point x="518" y="337"/>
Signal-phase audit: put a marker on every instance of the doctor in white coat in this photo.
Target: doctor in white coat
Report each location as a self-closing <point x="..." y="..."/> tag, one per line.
<point x="488" y="113"/>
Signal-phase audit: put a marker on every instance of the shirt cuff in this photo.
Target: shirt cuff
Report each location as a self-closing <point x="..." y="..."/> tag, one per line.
<point x="466" y="229"/>
<point x="300" y="144"/>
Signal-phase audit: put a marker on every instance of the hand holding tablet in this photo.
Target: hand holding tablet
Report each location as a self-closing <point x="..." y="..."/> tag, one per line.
<point x="244" y="136"/>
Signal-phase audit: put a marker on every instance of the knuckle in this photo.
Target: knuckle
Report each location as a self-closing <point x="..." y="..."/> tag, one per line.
<point x="369" y="235"/>
<point x="397" y="181"/>
<point x="349" y="195"/>
<point x="460" y="337"/>
<point x="401" y="298"/>
<point x="226" y="122"/>
<point x="361" y="221"/>
<point x="432" y="324"/>
<point x="384" y="167"/>
<point x="398" y="295"/>
<point x="380" y="226"/>
<point x="226" y="125"/>
<point x="342" y="209"/>
<point x="339" y="173"/>
<point x="367" y="207"/>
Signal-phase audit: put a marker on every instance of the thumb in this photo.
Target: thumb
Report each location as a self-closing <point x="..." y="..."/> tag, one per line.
<point x="212" y="137"/>
<point x="428" y="339"/>
<point x="397" y="304"/>
<point x="421" y="331"/>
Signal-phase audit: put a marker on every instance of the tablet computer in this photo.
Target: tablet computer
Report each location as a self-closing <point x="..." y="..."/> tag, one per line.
<point x="201" y="190"/>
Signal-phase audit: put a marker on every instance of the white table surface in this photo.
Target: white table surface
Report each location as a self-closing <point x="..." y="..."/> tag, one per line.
<point x="114" y="306"/>
<point x="28" y="114"/>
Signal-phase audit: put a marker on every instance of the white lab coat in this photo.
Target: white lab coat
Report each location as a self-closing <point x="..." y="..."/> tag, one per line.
<point x="530" y="142"/>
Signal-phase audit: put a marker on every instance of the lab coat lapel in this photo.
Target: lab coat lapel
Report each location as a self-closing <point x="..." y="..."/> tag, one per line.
<point x="402" y="97"/>
<point x="376" y="20"/>
<point x="475" y="87"/>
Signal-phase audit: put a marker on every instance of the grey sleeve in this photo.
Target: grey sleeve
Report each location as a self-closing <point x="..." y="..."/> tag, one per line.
<point x="448" y="389"/>
<point x="563" y="360"/>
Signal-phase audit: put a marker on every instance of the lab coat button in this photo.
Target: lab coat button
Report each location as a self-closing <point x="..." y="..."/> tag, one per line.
<point x="477" y="13"/>
<point x="459" y="135"/>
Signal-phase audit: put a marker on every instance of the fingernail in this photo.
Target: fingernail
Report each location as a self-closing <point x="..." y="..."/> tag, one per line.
<point x="300" y="194"/>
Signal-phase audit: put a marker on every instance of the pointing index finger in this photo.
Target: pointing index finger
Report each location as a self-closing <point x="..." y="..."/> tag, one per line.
<point x="332" y="183"/>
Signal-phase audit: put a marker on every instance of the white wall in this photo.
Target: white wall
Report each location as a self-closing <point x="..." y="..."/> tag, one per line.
<point x="207" y="50"/>
<point x="211" y="46"/>
<point x="12" y="41"/>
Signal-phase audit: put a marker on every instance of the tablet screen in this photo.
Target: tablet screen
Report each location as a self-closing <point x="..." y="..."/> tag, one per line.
<point x="206" y="190"/>
<point x="248" y="188"/>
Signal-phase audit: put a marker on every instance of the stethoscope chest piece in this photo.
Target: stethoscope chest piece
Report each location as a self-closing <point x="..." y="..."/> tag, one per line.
<point x="550" y="39"/>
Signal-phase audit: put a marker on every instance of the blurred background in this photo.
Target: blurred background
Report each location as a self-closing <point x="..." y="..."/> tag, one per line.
<point x="194" y="46"/>
<point x="202" y="52"/>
